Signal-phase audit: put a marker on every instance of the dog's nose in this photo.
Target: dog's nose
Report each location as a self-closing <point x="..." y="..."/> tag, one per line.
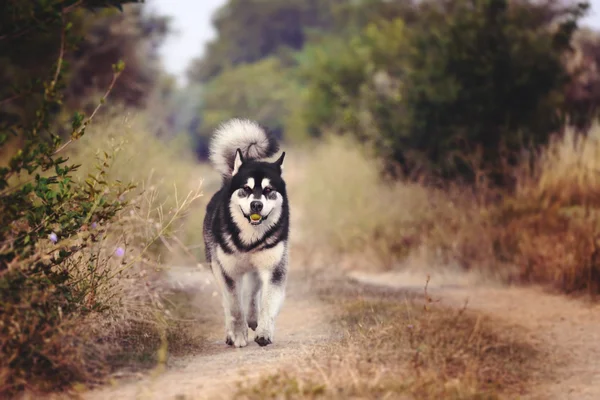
<point x="256" y="206"/>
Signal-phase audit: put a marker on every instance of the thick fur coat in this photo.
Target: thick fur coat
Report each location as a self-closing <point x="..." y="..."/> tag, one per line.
<point x="246" y="230"/>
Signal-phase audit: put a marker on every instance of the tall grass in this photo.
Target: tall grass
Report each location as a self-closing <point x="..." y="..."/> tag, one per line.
<point x="545" y="232"/>
<point x="163" y="171"/>
<point x="115" y="314"/>
<point x="566" y="172"/>
<point x="347" y="210"/>
<point x="550" y="227"/>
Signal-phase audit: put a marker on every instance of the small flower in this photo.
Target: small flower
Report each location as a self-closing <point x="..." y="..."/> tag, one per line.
<point x="410" y="326"/>
<point x="94" y="225"/>
<point x="53" y="238"/>
<point x="122" y="198"/>
<point x="119" y="252"/>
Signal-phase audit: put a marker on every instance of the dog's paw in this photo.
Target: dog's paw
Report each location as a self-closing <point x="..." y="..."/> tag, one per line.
<point x="237" y="340"/>
<point x="262" y="340"/>
<point x="252" y="324"/>
<point x="263" y="336"/>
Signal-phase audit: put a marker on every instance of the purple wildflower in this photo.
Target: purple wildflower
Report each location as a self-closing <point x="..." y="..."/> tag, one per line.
<point x="53" y="238"/>
<point x="94" y="225"/>
<point x="119" y="252"/>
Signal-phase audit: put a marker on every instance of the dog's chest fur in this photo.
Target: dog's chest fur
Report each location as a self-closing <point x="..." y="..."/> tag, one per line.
<point x="242" y="262"/>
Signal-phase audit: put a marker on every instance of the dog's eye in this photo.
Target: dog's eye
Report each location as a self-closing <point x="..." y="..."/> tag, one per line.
<point x="268" y="190"/>
<point x="247" y="189"/>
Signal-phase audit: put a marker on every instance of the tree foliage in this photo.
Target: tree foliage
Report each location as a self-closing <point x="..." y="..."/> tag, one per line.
<point x="250" y="30"/>
<point x="102" y="35"/>
<point x="262" y="91"/>
<point x="453" y="89"/>
<point x="450" y="86"/>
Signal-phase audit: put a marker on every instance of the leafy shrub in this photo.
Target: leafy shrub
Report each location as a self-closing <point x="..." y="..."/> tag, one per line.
<point x="64" y="258"/>
<point x="453" y="91"/>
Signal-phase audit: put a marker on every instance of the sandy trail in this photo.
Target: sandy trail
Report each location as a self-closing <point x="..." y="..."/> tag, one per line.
<point x="302" y="328"/>
<point x="568" y="329"/>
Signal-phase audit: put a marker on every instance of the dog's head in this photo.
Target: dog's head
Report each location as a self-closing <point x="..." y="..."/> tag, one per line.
<point x="257" y="191"/>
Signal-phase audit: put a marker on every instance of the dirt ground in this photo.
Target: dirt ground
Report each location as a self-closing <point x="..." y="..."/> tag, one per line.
<point x="302" y="329"/>
<point x="567" y="329"/>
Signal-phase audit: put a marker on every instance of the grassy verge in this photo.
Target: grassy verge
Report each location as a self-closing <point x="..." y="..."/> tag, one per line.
<point x="408" y="349"/>
<point x="546" y="232"/>
<point x="103" y="307"/>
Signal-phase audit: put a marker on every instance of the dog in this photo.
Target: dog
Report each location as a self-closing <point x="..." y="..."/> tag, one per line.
<point x="246" y="229"/>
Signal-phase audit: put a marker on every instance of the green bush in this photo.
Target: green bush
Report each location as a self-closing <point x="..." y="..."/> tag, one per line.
<point x="454" y="89"/>
<point x="47" y="219"/>
<point x="265" y="91"/>
<point x="251" y="30"/>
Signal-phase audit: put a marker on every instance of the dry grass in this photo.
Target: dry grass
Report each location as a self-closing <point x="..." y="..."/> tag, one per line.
<point x="566" y="172"/>
<point x="349" y="212"/>
<point x="120" y="316"/>
<point x="550" y="227"/>
<point x="145" y="320"/>
<point x="545" y="233"/>
<point x="412" y="350"/>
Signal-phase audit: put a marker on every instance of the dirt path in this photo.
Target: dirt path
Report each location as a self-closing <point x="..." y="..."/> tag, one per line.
<point x="568" y="329"/>
<point x="302" y="328"/>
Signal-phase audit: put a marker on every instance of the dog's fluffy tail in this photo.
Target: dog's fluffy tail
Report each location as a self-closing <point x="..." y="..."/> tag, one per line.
<point x="253" y="140"/>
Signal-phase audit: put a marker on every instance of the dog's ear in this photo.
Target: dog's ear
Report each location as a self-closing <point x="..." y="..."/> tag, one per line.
<point x="237" y="163"/>
<point x="279" y="161"/>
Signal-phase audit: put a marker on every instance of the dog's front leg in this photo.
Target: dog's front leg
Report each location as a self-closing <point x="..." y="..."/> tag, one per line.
<point x="236" y="329"/>
<point x="253" y="300"/>
<point x="273" y="279"/>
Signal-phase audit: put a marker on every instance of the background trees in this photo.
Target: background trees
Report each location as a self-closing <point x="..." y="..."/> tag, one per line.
<point x="438" y="87"/>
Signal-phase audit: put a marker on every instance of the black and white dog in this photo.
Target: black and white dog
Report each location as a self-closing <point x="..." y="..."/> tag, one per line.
<point x="246" y="230"/>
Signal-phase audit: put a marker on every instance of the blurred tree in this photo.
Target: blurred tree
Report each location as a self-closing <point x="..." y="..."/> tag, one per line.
<point x="250" y="30"/>
<point x="583" y="92"/>
<point x="133" y="36"/>
<point x="467" y="78"/>
<point x="27" y="52"/>
<point x="487" y="78"/>
<point x="263" y="91"/>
